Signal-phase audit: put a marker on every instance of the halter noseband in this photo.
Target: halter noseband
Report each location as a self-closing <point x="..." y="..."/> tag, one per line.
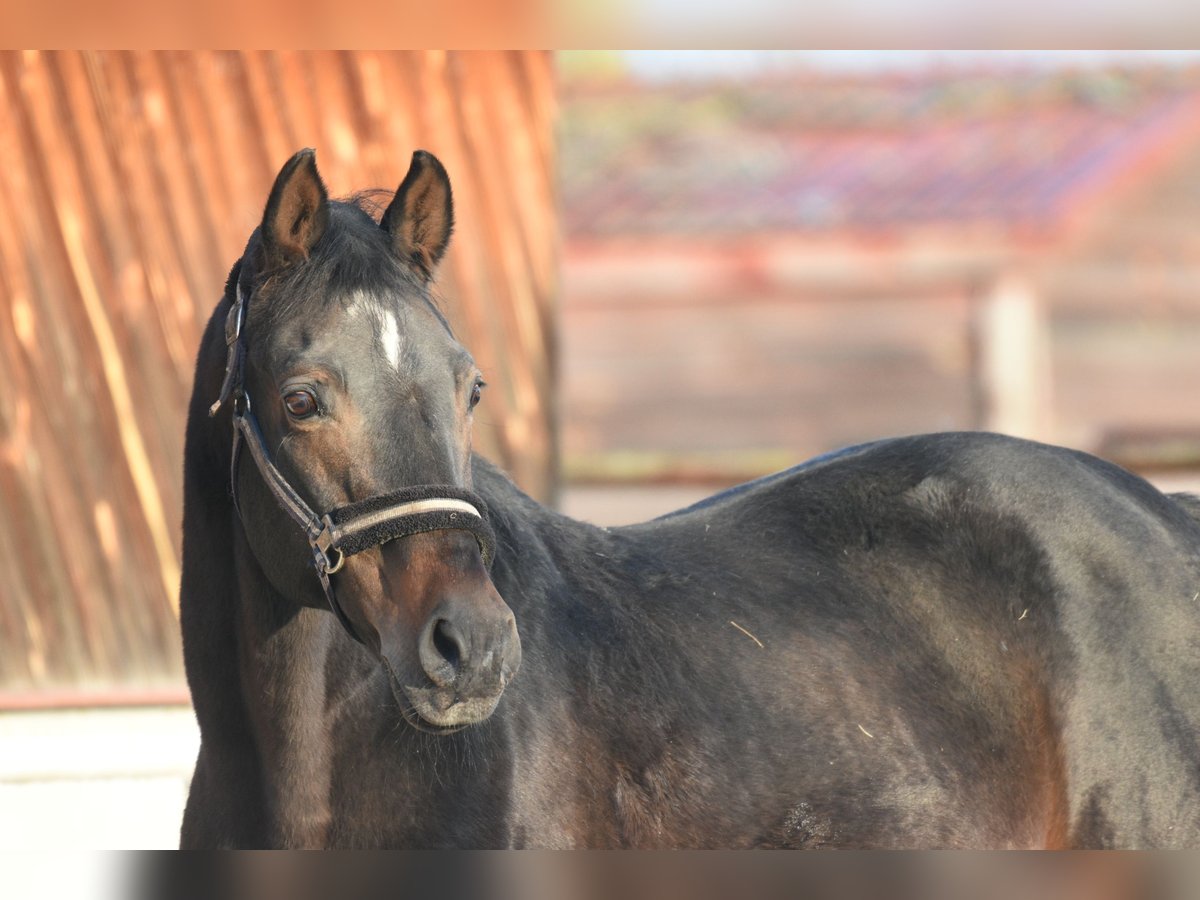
<point x="355" y="527"/>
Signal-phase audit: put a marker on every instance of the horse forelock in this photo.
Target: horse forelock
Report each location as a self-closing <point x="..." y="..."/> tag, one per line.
<point x="353" y="261"/>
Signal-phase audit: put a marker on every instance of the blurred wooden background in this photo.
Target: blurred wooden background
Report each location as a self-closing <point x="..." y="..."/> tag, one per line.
<point x="130" y="184"/>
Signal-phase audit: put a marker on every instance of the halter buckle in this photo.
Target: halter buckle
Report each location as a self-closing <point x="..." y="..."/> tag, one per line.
<point x="322" y="544"/>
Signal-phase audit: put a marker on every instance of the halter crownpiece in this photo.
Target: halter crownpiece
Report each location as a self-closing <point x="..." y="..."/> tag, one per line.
<point x="355" y="527"/>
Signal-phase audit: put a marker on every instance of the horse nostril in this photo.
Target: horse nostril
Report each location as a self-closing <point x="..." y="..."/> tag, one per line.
<point x="445" y="641"/>
<point x="442" y="652"/>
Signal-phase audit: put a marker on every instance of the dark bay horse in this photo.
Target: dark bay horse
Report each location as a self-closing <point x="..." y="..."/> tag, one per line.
<point x="956" y="640"/>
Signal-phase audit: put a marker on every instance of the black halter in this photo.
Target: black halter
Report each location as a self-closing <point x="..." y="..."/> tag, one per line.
<point x="349" y="529"/>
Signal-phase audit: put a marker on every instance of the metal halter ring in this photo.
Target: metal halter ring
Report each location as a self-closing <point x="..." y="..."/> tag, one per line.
<point x="322" y="544"/>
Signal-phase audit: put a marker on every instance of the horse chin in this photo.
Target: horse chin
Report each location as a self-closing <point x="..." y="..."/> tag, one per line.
<point x="415" y="720"/>
<point x="437" y="712"/>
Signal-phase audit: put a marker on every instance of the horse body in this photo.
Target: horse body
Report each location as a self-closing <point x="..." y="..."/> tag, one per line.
<point x="948" y="640"/>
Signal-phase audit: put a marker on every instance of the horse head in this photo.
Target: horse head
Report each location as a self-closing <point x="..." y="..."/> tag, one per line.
<point x="359" y="398"/>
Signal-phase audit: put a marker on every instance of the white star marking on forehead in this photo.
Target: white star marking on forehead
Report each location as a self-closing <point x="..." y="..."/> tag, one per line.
<point x="389" y="336"/>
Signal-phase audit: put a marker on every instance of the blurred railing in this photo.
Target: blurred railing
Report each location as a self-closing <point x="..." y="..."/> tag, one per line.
<point x="130" y="183"/>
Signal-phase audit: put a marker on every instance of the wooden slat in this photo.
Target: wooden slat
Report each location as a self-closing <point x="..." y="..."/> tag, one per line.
<point x="131" y="182"/>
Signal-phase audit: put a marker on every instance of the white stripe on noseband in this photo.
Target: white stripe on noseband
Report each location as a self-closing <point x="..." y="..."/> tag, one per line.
<point x="369" y="520"/>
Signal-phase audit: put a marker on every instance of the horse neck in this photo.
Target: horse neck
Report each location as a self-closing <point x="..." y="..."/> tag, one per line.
<point x="285" y="655"/>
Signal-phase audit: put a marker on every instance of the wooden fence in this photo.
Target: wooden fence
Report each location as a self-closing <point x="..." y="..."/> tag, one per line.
<point x="128" y="186"/>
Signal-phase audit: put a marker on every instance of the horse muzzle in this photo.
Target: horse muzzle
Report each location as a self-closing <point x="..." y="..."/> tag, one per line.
<point x="466" y="656"/>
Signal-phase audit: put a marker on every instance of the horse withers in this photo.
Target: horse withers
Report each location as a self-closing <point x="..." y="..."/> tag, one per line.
<point x="948" y="640"/>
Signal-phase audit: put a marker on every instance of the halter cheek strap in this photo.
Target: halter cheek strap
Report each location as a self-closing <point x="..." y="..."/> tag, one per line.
<point x="234" y="319"/>
<point x="355" y="527"/>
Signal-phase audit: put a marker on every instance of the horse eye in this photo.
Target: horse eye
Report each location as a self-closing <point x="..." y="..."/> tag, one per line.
<point x="476" y="393"/>
<point x="300" y="404"/>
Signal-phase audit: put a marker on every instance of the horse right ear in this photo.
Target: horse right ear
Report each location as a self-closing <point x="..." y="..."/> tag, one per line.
<point x="297" y="212"/>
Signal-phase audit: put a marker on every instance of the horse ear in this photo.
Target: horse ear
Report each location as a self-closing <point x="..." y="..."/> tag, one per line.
<point x="421" y="216"/>
<point x="297" y="212"/>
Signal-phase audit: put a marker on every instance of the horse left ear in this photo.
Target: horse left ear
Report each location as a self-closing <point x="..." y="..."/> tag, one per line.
<point x="421" y="216"/>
